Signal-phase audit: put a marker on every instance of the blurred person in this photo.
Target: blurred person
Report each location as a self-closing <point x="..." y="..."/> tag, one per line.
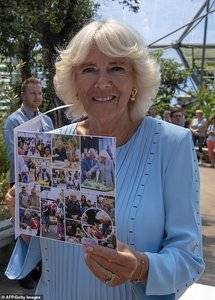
<point x="152" y="112"/>
<point x="87" y="164"/>
<point x="23" y="198"/>
<point x="59" y="153"/>
<point x="105" y="166"/>
<point x="47" y="152"/>
<point x="176" y="117"/>
<point x="198" y="128"/>
<point x="166" y="116"/>
<point x="185" y="121"/>
<point x="34" y="199"/>
<point x="211" y="141"/>
<point x="106" y="72"/>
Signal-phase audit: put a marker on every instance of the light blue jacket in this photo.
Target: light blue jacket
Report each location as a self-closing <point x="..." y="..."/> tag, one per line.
<point x="157" y="212"/>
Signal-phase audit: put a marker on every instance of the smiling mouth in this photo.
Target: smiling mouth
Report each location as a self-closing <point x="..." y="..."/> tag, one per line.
<point x="106" y="99"/>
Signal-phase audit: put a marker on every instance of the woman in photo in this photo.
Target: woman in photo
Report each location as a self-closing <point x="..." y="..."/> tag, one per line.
<point x="105" y="169"/>
<point x="73" y="153"/>
<point x="46" y="212"/>
<point x="34" y="199"/>
<point x="47" y="152"/>
<point x="107" y="74"/>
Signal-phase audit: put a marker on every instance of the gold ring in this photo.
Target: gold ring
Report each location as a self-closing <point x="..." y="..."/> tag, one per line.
<point x="111" y="280"/>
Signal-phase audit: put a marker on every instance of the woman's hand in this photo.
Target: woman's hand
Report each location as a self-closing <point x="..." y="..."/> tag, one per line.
<point x="113" y="267"/>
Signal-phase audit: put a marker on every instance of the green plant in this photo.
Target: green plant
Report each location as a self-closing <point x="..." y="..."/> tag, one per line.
<point x="205" y="100"/>
<point x="4" y="186"/>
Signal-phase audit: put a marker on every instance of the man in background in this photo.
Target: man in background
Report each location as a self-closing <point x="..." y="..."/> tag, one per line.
<point x="32" y="98"/>
<point x="176" y="117"/>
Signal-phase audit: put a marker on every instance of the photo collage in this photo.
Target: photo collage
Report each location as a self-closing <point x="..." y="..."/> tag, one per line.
<point x="66" y="187"/>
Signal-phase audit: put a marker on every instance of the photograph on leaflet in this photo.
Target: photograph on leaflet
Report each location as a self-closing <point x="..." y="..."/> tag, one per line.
<point x="29" y="196"/>
<point x="29" y="222"/>
<point x="97" y="164"/>
<point x="66" y="152"/>
<point x="34" y="144"/>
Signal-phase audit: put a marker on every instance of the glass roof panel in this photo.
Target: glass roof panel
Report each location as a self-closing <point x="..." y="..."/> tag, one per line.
<point x="157" y="18"/>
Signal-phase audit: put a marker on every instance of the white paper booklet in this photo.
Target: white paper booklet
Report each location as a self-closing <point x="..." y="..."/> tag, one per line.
<point x="65" y="185"/>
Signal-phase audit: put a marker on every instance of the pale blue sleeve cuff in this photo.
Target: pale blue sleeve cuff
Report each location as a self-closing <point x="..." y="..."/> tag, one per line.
<point x="24" y="258"/>
<point x="161" y="279"/>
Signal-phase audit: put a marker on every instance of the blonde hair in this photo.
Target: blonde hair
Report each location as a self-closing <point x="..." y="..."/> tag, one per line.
<point x="103" y="153"/>
<point x="116" y="40"/>
<point x="199" y="111"/>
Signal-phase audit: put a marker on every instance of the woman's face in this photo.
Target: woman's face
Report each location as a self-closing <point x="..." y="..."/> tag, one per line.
<point x="104" y="84"/>
<point x="83" y="198"/>
<point x="102" y="159"/>
<point x="47" y="151"/>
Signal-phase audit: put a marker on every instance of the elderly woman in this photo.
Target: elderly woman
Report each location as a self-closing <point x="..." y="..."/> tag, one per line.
<point x="106" y="72"/>
<point x="198" y="128"/>
<point x="105" y="169"/>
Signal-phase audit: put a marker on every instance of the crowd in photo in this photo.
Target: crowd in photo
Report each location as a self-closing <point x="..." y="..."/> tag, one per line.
<point x="29" y="221"/>
<point x="34" y="170"/>
<point x="96" y="223"/>
<point x="107" y="204"/>
<point x="34" y="145"/>
<point x="43" y="176"/>
<point x="68" y="178"/>
<point x="202" y="129"/>
<point x="52" y="212"/>
<point x="76" y="206"/>
<point x="73" y="180"/>
<point x="74" y="231"/>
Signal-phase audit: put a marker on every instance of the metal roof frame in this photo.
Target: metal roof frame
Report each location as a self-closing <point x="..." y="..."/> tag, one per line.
<point x="197" y="76"/>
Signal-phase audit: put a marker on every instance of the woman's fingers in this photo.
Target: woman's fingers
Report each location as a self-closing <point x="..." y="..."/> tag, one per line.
<point x="112" y="255"/>
<point x="122" y="264"/>
<point x="99" y="271"/>
<point x="103" y="274"/>
<point x="124" y="271"/>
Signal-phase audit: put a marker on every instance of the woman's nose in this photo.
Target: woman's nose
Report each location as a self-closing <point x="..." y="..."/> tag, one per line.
<point x="103" y="80"/>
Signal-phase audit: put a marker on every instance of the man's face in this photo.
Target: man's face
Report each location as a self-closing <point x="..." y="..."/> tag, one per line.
<point x="33" y="96"/>
<point x="177" y="118"/>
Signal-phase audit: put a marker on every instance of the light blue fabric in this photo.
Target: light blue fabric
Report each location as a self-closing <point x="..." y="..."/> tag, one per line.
<point x="20" y="116"/>
<point x="157" y="212"/>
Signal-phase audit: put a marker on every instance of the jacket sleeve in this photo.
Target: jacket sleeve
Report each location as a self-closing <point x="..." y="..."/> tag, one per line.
<point x="24" y="258"/>
<point x="179" y="263"/>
